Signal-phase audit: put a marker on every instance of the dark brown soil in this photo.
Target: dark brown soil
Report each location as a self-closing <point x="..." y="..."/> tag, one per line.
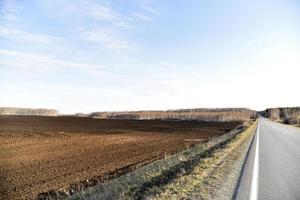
<point x="38" y="154"/>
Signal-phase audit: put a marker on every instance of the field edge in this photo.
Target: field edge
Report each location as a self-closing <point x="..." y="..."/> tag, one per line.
<point x="129" y="183"/>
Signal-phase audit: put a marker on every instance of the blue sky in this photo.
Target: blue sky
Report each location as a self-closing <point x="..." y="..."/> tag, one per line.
<point x="84" y="55"/>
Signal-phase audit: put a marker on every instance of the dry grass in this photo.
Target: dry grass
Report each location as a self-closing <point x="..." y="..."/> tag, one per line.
<point x="197" y="181"/>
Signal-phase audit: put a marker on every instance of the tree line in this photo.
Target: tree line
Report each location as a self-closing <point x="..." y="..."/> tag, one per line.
<point x="27" y="111"/>
<point x="198" y="114"/>
<point x="290" y="115"/>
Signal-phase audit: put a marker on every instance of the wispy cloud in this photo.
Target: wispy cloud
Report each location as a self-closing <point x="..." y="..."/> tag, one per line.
<point x="142" y="17"/>
<point x="149" y="9"/>
<point x="106" y="25"/>
<point x="106" y="38"/>
<point x="23" y="36"/>
<point x="36" y="61"/>
<point x="8" y="12"/>
<point x="99" y="11"/>
<point x="9" y="27"/>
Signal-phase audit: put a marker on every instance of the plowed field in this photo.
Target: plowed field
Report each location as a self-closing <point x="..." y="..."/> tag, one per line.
<point x="38" y="154"/>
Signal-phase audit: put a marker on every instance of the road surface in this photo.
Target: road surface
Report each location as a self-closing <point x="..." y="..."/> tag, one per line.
<point x="272" y="168"/>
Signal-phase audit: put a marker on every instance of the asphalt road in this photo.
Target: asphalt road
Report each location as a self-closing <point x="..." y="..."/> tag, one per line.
<point x="272" y="168"/>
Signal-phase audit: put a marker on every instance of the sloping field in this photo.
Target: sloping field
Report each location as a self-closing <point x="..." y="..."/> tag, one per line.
<point x="38" y="154"/>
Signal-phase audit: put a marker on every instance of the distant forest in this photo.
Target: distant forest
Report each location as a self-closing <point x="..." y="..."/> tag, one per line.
<point x="199" y="114"/>
<point x="27" y="111"/>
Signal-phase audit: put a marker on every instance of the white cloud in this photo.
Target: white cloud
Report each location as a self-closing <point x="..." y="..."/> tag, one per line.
<point x="106" y="38"/>
<point x="149" y="9"/>
<point x="8" y="12"/>
<point x="10" y="19"/>
<point x="22" y="36"/>
<point x="98" y="11"/>
<point x="36" y="61"/>
<point x="105" y="25"/>
<point x="142" y="17"/>
<point x="92" y="10"/>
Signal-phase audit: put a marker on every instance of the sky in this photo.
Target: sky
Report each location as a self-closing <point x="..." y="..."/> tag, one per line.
<point x="116" y="55"/>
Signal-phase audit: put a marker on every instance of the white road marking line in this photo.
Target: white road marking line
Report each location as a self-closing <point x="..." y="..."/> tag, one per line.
<point x="254" y="184"/>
